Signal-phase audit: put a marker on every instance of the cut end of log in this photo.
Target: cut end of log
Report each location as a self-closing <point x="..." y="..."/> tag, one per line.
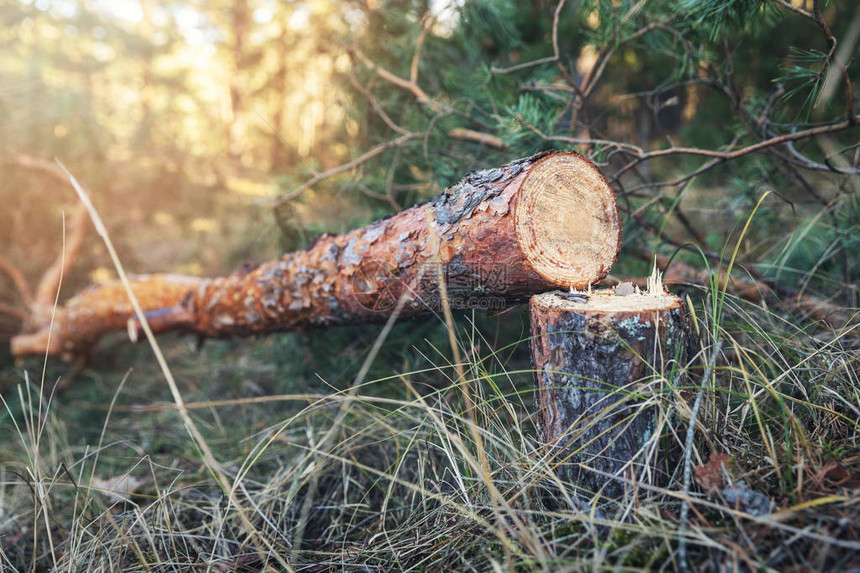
<point x="567" y="221"/>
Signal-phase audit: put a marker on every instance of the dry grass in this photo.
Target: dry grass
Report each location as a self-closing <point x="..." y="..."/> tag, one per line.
<point x="401" y="487"/>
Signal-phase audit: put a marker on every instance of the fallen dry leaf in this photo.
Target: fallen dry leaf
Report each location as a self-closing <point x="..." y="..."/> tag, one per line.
<point x="710" y="476"/>
<point x="118" y="488"/>
<point x="834" y="474"/>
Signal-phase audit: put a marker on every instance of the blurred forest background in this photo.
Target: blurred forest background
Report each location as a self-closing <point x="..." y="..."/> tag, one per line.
<point x="202" y="129"/>
<point x="213" y="134"/>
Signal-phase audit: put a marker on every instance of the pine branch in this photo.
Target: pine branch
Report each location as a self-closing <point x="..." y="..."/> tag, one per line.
<point x="318" y="177"/>
<point x="13" y="311"/>
<point x="487" y="139"/>
<point x="730" y="155"/>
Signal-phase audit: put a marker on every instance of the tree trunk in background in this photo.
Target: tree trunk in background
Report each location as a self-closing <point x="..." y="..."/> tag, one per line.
<point x="143" y="137"/>
<point x="497" y="236"/>
<point x="604" y="370"/>
<point x="277" y="155"/>
<point x="239" y="22"/>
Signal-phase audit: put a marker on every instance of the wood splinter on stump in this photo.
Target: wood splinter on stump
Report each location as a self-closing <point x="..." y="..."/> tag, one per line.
<point x="499" y="235"/>
<point x="603" y="366"/>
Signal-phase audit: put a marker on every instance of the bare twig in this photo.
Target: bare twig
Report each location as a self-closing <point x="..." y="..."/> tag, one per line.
<point x="729" y="155"/>
<point x="412" y="87"/>
<point x="596" y="72"/>
<point x="388" y="198"/>
<point x="847" y="47"/>
<point x="806" y="163"/>
<point x="408" y="85"/>
<point x="13" y="311"/>
<point x="487" y="139"/>
<point x="376" y="107"/>
<point x="634" y="149"/>
<point x="829" y="61"/>
<point x="568" y="78"/>
<point x="672" y="183"/>
<point x="550" y="91"/>
<point x="524" y="65"/>
<point x="373" y="152"/>
<point x="37" y="164"/>
<point x="18" y="279"/>
<point x="43" y="298"/>
<point x="796" y="9"/>
<point x="428" y="21"/>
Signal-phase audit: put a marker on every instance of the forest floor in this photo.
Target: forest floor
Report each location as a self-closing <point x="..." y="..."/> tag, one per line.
<point x="312" y="452"/>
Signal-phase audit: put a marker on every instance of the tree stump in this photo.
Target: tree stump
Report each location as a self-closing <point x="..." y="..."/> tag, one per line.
<point x="603" y="365"/>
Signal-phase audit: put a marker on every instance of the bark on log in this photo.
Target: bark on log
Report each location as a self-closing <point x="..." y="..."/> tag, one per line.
<point x="602" y="371"/>
<point x="499" y="235"/>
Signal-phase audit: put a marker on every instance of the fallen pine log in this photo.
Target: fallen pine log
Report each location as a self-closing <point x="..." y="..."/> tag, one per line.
<point x="496" y="237"/>
<point x="604" y="367"/>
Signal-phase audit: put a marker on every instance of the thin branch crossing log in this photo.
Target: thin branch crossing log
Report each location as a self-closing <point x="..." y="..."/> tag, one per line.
<point x="604" y="365"/>
<point x="497" y="236"/>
